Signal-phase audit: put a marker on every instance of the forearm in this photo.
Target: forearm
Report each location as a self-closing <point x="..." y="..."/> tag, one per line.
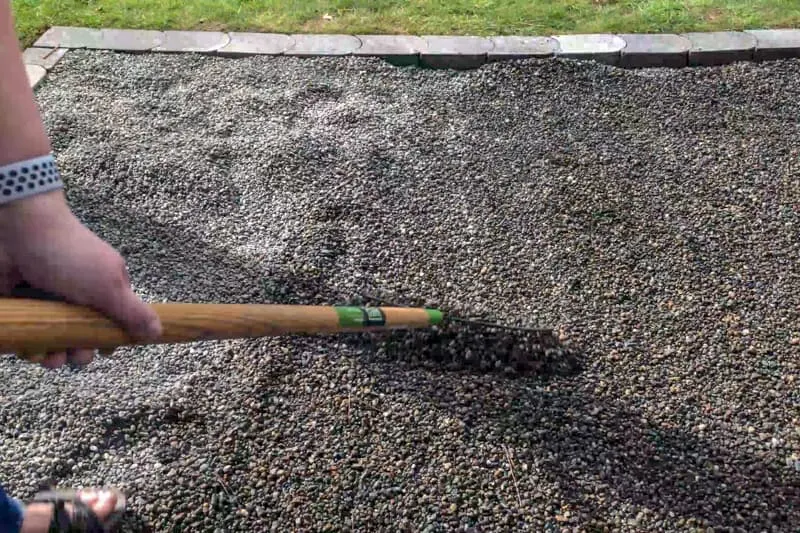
<point x="22" y="134"/>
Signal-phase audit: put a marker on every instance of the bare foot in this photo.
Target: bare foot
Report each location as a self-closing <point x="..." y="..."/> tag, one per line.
<point x="103" y="503"/>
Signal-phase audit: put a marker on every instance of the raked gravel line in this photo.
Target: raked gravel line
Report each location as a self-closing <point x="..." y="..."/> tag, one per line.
<point x="652" y="216"/>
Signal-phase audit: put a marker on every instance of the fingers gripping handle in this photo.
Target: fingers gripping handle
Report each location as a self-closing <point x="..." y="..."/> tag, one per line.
<point x="30" y="325"/>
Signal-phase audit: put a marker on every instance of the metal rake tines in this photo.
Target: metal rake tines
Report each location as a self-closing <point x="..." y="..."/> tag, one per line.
<point x="546" y="336"/>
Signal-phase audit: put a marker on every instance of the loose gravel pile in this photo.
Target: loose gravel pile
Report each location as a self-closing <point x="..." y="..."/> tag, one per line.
<point x="651" y="217"/>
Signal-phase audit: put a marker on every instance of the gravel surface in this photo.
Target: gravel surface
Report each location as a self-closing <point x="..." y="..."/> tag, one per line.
<point x="650" y="217"/>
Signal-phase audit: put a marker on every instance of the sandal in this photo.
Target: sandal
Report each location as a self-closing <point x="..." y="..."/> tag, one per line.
<point x="80" y="518"/>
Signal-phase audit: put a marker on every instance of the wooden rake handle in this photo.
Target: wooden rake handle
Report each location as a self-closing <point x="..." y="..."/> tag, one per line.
<point x="33" y="326"/>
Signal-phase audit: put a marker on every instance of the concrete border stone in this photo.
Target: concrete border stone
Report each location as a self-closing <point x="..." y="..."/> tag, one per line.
<point x="35" y="74"/>
<point x="312" y="45"/>
<point x="432" y="51"/>
<point x="776" y="44"/>
<point x="43" y="57"/>
<point x="455" y="52"/>
<point x="720" y="48"/>
<point x="517" y="47"/>
<point x="192" y="42"/>
<point x="399" y="50"/>
<point x="249" y="44"/>
<point x="643" y="50"/>
<point x="132" y="40"/>
<point x="122" y="40"/>
<point x="70" y="37"/>
<point x="600" y="47"/>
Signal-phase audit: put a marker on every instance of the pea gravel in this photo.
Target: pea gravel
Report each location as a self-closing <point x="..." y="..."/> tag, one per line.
<point x="651" y="217"/>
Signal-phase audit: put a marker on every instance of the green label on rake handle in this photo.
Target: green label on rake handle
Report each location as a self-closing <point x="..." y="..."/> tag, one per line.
<point x="360" y="317"/>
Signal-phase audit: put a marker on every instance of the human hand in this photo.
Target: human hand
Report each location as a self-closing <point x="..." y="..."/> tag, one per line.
<point x="45" y="245"/>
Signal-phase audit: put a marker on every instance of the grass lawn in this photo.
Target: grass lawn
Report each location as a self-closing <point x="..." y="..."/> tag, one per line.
<point x="476" y="17"/>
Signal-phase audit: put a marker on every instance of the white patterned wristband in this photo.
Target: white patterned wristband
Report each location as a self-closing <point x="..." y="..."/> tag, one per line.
<point x="28" y="178"/>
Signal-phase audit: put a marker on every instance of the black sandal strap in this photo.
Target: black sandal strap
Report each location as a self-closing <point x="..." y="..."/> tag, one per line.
<point x="61" y="520"/>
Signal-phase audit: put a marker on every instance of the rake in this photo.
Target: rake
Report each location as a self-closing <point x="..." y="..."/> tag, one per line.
<point x="30" y="325"/>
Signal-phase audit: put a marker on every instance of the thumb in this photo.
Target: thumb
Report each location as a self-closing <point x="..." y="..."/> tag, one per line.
<point x="116" y="299"/>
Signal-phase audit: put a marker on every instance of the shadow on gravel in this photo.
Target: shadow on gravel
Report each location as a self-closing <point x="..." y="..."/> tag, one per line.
<point x="583" y="444"/>
<point x="177" y="253"/>
<point x="598" y="450"/>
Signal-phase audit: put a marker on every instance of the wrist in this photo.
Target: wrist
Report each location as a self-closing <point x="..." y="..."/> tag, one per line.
<point x="32" y="215"/>
<point x="29" y="141"/>
<point x="23" y="148"/>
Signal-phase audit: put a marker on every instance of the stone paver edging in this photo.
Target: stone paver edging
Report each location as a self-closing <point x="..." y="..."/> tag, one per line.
<point x="434" y="51"/>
